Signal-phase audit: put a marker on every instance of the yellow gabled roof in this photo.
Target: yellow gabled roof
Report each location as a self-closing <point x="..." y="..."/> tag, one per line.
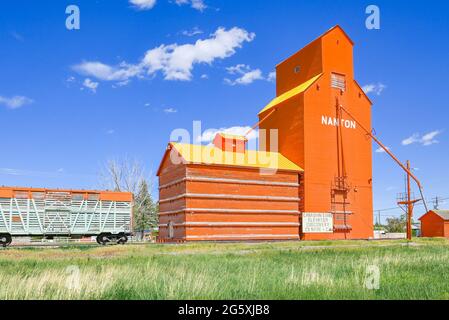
<point x="290" y="94"/>
<point x="251" y="158"/>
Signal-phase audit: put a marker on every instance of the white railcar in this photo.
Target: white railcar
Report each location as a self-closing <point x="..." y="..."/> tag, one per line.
<point x="65" y="213"/>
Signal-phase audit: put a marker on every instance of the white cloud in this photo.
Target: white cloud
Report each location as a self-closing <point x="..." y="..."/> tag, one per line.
<point x="149" y="4"/>
<point x="176" y="62"/>
<point x="121" y="83"/>
<point x="381" y="150"/>
<point x="209" y="135"/>
<point x="193" y="32"/>
<point x="238" y="69"/>
<point x="429" y="138"/>
<point x="47" y="174"/>
<point x="104" y="72"/>
<point x="20" y="172"/>
<point x="91" y="85"/>
<point x="11" y="172"/>
<point x="204" y="76"/>
<point x="143" y="4"/>
<point x="170" y="110"/>
<point x="271" y="76"/>
<point x="425" y="140"/>
<point x="410" y="140"/>
<point x="15" y="102"/>
<point x="376" y="88"/>
<point x="247" y="76"/>
<point x="110" y="131"/>
<point x="195" y="4"/>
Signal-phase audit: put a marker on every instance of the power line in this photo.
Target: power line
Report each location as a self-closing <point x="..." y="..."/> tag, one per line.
<point x="439" y="199"/>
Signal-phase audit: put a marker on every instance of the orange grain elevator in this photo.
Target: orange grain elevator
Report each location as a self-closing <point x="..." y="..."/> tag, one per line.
<point x="320" y="183"/>
<point x="313" y="133"/>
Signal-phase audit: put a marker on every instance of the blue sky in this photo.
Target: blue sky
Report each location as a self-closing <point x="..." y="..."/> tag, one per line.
<point x="71" y="99"/>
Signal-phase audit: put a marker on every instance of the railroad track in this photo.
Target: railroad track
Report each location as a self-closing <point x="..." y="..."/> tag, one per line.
<point x="51" y="245"/>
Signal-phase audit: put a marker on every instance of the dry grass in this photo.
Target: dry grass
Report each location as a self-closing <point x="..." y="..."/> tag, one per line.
<point x="290" y="270"/>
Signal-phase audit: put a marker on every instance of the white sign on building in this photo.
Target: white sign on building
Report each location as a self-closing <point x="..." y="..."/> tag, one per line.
<point x="317" y="222"/>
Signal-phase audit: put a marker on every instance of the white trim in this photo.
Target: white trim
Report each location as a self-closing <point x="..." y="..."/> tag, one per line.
<point x="342" y="212"/>
<point x="229" y="197"/>
<point x="245" y="236"/>
<point x="210" y="210"/>
<point x="234" y="224"/>
<point x="231" y="181"/>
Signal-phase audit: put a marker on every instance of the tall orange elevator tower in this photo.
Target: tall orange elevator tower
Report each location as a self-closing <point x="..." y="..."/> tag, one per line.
<point x="313" y="133"/>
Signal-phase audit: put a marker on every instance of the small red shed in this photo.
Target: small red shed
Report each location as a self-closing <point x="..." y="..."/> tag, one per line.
<point x="435" y="223"/>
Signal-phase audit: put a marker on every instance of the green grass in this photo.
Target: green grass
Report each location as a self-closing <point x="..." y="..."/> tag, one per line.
<point x="288" y="270"/>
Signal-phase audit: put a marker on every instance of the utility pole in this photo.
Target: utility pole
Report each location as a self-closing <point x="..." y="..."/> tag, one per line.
<point x="378" y="218"/>
<point x="436" y="204"/>
<point x="409" y="203"/>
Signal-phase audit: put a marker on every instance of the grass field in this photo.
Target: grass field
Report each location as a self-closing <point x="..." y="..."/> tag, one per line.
<point x="289" y="270"/>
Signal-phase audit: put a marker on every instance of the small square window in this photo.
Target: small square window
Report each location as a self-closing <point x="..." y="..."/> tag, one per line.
<point x="338" y="81"/>
<point x="297" y="69"/>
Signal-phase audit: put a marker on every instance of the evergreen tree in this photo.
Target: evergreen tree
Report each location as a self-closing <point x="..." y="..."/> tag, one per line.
<point x="145" y="209"/>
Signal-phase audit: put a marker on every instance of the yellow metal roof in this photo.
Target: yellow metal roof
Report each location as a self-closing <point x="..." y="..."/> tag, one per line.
<point x="251" y="158"/>
<point x="289" y="94"/>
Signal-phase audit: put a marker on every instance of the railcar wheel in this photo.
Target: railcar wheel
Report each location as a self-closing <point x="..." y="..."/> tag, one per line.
<point x="122" y="239"/>
<point x="103" y="239"/>
<point x="5" y="240"/>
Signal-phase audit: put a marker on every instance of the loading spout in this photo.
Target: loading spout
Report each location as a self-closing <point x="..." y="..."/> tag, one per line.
<point x="370" y="134"/>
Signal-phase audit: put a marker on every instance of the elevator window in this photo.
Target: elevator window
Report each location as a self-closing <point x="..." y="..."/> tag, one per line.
<point x="338" y="81"/>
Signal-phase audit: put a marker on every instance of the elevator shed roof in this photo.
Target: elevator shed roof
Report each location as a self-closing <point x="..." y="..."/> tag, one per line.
<point x="211" y="155"/>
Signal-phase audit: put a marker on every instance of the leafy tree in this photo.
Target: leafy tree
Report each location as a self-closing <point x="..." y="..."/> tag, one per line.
<point x="379" y="226"/>
<point x="128" y="175"/>
<point x="396" y="225"/>
<point x="123" y="175"/>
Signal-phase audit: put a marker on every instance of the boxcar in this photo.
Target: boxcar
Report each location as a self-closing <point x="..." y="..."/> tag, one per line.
<point x="65" y="213"/>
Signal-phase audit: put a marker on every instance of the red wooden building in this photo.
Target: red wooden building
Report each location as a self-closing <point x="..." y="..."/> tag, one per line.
<point x="435" y="223"/>
<point x="207" y="193"/>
